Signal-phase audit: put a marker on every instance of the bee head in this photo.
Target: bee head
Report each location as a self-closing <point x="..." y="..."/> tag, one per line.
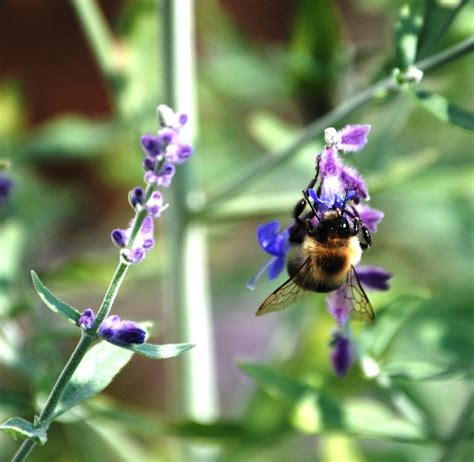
<point x="333" y="226"/>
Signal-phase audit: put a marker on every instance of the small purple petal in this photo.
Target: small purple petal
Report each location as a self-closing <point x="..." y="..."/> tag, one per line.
<point x="353" y="137"/>
<point x="184" y="152"/>
<point x="277" y="265"/>
<point x="374" y="277"/>
<point x="149" y="163"/>
<point x="146" y="229"/>
<point x="370" y="217"/>
<point x="119" y="237"/>
<point x="87" y="318"/>
<point x="330" y="164"/>
<point x="338" y="307"/>
<point x="341" y="355"/>
<point x="151" y="178"/>
<point x="267" y="232"/>
<point x="182" y="119"/>
<point x="351" y="180"/>
<point x="166" y="174"/>
<point x="154" y="205"/>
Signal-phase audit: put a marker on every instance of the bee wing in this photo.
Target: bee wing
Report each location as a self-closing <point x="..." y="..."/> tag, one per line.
<point x="355" y="294"/>
<point x="286" y="294"/>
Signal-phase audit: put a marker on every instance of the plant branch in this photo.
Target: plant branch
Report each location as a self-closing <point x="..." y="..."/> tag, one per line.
<point x="279" y="157"/>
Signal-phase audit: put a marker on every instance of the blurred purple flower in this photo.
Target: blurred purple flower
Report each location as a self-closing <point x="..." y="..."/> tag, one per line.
<point x="353" y="137"/>
<point x="274" y="243"/>
<point x="136" y="196"/>
<point x="338" y="307"/>
<point x="341" y="354"/>
<point x="374" y="277"/>
<point x="5" y="187"/>
<point x="121" y="332"/>
<point x="142" y="244"/>
<point x="154" y="206"/>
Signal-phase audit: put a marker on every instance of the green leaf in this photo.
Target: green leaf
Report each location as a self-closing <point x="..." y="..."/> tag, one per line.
<point x="21" y="429"/>
<point x="445" y="110"/>
<point x="276" y="384"/>
<point x="425" y="371"/>
<point x="406" y="33"/>
<point x="159" y="351"/>
<point x="53" y="303"/>
<point x="97" y="369"/>
<point x="439" y="15"/>
<point x="390" y="319"/>
<point x="68" y="135"/>
<point x="221" y="430"/>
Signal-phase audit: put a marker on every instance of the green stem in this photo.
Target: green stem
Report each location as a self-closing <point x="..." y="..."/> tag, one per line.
<point x="277" y="158"/>
<point x="55" y="395"/>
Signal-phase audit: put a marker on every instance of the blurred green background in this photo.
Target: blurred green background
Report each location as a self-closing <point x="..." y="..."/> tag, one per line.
<point x="264" y="70"/>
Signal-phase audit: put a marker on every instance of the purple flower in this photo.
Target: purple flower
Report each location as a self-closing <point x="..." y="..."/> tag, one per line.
<point x="371" y="217"/>
<point x="338" y="306"/>
<point x="121" y="332"/>
<point x="274" y="243"/>
<point x="374" y="277"/>
<point x="87" y="318"/>
<point x="154" y="206"/>
<point x="5" y="186"/>
<point x="142" y="244"/>
<point x="341" y="354"/>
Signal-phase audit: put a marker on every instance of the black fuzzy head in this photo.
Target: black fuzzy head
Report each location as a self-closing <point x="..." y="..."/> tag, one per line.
<point x="333" y="227"/>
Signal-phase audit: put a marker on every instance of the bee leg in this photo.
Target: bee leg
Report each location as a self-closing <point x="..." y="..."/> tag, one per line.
<point x="358" y="226"/>
<point x="300" y="205"/>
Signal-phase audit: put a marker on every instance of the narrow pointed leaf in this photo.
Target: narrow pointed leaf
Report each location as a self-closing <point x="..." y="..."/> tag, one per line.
<point x="424" y="371"/>
<point x="445" y="110"/>
<point x="438" y="18"/>
<point x="407" y="31"/>
<point x="54" y="303"/>
<point x="98" y="368"/>
<point x="159" y="351"/>
<point x="21" y="429"/>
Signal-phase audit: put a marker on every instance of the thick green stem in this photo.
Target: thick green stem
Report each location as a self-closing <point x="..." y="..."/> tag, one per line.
<point x="277" y="158"/>
<point x="189" y="285"/>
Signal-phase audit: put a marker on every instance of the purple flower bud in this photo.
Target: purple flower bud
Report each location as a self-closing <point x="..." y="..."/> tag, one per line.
<point x="135" y="197"/>
<point x="166" y="174"/>
<point x="151" y="144"/>
<point x="182" y="119"/>
<point x="119" y="237"/>
<point x="185" y="151"/>
<point x="154" y="205"/>
<point x="166" y="136"/>
<point x="151" y="178"/>
<point x="341" y="355"/>
<point x="149" y="163"/>
<point x="338" y="307"/>
<point x="5" y="186"/>
<point x="114" y="330"/>
<point x="353" y="137"/>
<point x="86" y="321"/>
<point x="374" y="277"/>
<point x="370" y="217"/>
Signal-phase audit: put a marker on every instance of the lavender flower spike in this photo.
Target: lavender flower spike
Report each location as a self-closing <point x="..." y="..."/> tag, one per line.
<point x="121" y="332"/>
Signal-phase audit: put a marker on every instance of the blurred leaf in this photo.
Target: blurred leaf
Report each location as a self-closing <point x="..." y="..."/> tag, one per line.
<point x="12" y="240"/>
<point x="445" y="110"/>
<point x="159" y="351"/>
<point x="220" y="430"/>
<point x="439" y="15"/>
<point x="97" y="369"/>
<point x="21" y="429"/>
<point x="423" y="371"/>
<point x="406" y="33"/>
<point x="275" y="383"/>
<point x="68" y="135"/>
<point x="389" y="320"/>
<point x="53" y="303"/>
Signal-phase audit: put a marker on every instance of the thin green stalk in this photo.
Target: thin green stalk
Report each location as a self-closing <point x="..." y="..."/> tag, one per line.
<point x="382" y="88"/>
<point x="98" y="34"/>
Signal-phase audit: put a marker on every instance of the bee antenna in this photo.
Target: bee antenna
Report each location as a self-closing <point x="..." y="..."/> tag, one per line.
<point x="349" y="195"/>
<point x="305" y="194"/>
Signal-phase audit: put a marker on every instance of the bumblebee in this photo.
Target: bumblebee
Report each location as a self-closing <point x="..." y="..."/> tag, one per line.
<point x="327" y="246"/>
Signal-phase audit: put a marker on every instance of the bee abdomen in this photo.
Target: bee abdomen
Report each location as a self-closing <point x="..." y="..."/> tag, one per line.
<point x="331" y="264"/>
